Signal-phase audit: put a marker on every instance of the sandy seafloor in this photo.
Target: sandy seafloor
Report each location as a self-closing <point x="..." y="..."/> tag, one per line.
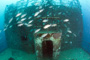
<point x="71" y="54"/>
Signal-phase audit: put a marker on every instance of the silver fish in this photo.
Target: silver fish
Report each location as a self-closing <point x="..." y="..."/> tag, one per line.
<point x="18" y="14"/>
<point x="41" y="10"/>
<point x="53" y="25"/>
<point x="66" y="20"/>
<point x="23" y="19"/>
<point x="59" y="13"/>
<point x="10" y="20"/>
<point x="37" y="13"/>
<point x="44" y="35"/>
<point x="45" y="20"/>
<point x="37" y="30"/>
<point x="40" y="7"/>
<point x="67" y="35"/>
<point x="30" y="21"/>
<point x="28" y="25"/>
<point x="10" y="26"/>
<point x="5" y="29"/>
<point x="47" y="26"/>
<point x="30" y="17"/>
<point x="69" y="31"/>
<point x="23" y="15"/>
<point x="70" y="42"/>
<point x="50" y="6"/>
<point x="19" y="22"/>
<point x="38" y="16"/>
<point x="36" y="4"/>
<point x="20" y="25"/>
<point x="75" y="35"/>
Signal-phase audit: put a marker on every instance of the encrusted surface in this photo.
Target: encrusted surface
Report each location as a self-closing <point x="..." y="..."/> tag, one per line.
<point x="54" y="37"/>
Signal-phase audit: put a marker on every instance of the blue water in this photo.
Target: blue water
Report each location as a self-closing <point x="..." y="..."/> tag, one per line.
<point x="3" y="44"/>
<point x="85" y="6"/>
<point x="86" y="24"/>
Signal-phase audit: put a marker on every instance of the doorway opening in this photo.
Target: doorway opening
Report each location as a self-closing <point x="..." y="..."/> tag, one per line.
<point x="47" y="49"/>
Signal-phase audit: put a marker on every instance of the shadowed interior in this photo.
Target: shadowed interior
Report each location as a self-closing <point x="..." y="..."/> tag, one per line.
<point x="47" y="49"/>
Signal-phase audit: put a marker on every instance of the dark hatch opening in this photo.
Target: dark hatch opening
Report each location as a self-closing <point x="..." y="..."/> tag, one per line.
<point x="47" y="49"/>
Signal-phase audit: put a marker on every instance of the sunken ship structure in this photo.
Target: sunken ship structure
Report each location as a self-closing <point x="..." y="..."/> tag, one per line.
<point x="44" y="28"/>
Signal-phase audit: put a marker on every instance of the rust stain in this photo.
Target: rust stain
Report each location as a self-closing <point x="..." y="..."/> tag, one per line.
<point x="56" y="35"/>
